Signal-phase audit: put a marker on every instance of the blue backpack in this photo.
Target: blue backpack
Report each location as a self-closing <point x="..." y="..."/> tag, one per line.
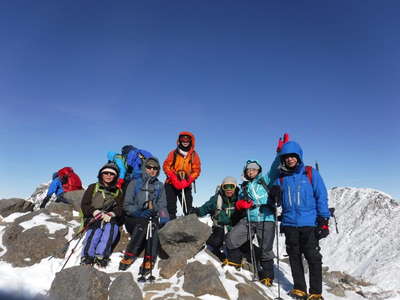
<point x="134" y="162"/>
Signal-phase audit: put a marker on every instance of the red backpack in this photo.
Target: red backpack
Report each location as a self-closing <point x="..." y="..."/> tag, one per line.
<point x="69" y="179"/>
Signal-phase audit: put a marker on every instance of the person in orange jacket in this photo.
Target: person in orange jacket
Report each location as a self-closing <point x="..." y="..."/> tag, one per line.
<point x="182" y="168"/>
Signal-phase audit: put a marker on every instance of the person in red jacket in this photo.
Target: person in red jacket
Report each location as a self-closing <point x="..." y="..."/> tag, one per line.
<point x="182" y="168"/>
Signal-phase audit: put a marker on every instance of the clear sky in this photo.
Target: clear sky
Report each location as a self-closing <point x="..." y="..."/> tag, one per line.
<point x="81" y="78"/>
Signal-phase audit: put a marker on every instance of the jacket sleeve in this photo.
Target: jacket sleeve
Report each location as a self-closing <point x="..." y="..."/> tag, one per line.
<point x="320" y="194"/>
<point x="86" y="204"/>
<point x="196" y="166"/>
<point x="129" y="203"/>
<point x="209" y="207"/>
<point x="161" y="204"/>
<point x="121" y="166"/>
<point x="167" y="163"/>
<point x="53" y="187"/>
<point x="273" y="173"/>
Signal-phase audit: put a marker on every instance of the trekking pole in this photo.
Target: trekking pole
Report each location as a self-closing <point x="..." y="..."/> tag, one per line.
<point x="252" y="254"/>
<point x="277" y="257"/>
<point x="72" y="252"/>
<point x="332" y="211"/>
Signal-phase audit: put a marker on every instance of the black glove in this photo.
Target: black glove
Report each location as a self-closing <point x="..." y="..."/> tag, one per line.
<point x="44" y="202"/>
<point x="275" y="196"/>
<point x="195" y="210"/>
<point x="322" y="230"/>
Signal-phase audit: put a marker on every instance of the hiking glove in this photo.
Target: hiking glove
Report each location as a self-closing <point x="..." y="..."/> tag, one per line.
<point x="184" y="183"/>
<point x="163" y="220"/>
<point x="282" y="142"/>
<point x="97" y="214"/>
<point x="322" y="230"/>
<point x="120" y="182"/>
<point x="175" y="181"/>
<point x="243" y="204"/>
<point x="145" y="213"/>
<point x="108" y="216"/>
<point x="274" y="196"/>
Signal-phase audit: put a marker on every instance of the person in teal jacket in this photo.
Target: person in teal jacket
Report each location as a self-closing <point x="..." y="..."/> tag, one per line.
<point x="221" y="207"/>
<point x="258" y="199"/>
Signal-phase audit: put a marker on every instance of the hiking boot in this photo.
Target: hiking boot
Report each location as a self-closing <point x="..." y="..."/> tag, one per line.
<point x="87" y="260"/>
<point x="226" y="262"/>
<point x="267" y="281"/>
<point x="146" y="268"/>
<point x="298" y="294"/>
<point x="126" y="262"/>
<point x="315" y="297"/>
<point x="101" y="261"/>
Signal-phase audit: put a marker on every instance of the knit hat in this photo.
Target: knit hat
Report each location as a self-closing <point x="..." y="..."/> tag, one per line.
<point x="253" y="165"/>
<point x="229" y="180"/>
<point x="109" y="167"/>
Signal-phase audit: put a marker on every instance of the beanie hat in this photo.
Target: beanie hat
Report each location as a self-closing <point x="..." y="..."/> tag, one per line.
<point x="109" y="167"/>
<point x="229" y="180"/>
<point x="253" y="165"/>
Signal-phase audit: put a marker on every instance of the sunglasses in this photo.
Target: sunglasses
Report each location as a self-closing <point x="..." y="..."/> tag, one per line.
<point x="185" y="138"/>
<point x="154" y="168"/>
<point x="108" y="173"/>
<point x="228" y="187"/>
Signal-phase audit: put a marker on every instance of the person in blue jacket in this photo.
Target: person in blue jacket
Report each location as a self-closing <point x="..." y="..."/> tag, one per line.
<point x="305" y="219"/>
<point x="254" y="197"/>
<point x="54" y="188"/>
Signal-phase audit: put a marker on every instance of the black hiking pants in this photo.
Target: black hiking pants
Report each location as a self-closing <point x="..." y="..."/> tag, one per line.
<point x="302" y="240"/>
<point x="137" y="228"/>
<point x="172" y="193"/>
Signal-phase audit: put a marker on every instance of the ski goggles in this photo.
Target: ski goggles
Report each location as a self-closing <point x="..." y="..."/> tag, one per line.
<point x="185" y="139"/>
<point x="228" y="187"/>
<point x="152" y="168"/>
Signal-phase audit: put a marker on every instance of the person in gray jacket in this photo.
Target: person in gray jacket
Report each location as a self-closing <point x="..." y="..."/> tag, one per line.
<point x="144" y="205"/>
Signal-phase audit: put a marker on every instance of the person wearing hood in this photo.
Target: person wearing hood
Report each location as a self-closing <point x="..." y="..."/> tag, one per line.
<point x="144" y="205"/>
<point x="55" y="187"/>
<point x="102" y="206"/>
<point x="221" y="207"/>
<point x="259" y="200"/>
<point x="305" y="219"/>
<point x="182" y="167"/>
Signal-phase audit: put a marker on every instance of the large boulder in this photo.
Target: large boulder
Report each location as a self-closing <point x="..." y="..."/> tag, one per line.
<point x="80" y="283"/>
<point x="125" y="288"/>
<point x="247" y="292"/>
<point x="13" y="205"/>
<point x="203" y="279"/>
<point x="37" y="235"/>
<point x="184" y="237"/>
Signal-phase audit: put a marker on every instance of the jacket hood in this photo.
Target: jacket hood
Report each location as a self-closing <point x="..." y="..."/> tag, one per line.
<point x="109" y="166"/>
<point x="291" y="147"/>
<point x="189" y="134"/>
<point x="110" y="155"/>
<point x="245" y="167"/>
<point x="153" y="161"/>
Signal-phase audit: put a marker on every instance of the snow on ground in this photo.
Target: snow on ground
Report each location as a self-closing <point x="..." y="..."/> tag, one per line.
<point x="38" y="278"/>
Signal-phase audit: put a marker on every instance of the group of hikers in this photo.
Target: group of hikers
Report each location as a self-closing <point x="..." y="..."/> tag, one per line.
<point x="129" y="193"/>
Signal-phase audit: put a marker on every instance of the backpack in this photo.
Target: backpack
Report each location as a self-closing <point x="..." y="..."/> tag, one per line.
<point x="134" y="160"/>
<point x="308" y="173"/>
<point x="69" y="179"/>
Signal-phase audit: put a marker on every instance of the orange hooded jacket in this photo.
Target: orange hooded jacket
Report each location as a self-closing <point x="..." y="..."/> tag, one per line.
<point x="176" y="162"/>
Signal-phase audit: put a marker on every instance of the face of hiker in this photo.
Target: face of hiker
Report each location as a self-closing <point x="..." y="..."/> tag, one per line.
<point x="290" y="161"/>
<point x="252" y="173"/>
<point x="229" y="189"/>
<point x="151" y="170"/>
<point x="107" y="177"/>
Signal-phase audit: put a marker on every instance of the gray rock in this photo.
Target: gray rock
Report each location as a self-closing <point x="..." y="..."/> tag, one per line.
<point x="246" y="292"/>
<point x="28" y="247"/>
<point x="184" y="236"/>
<point x="74" y="198"/>
<point x="229" y="276"/>
<point x="168" y="267"/>
<point x="80" y="283"/>
<point x="125" y="288"/>
<point x="156" y="286"/>
<point x="203" y="279"/>
<point x="13" y="205"/>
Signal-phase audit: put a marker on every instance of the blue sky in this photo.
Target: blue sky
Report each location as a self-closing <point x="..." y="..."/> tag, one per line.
<point x="81" y="78"/>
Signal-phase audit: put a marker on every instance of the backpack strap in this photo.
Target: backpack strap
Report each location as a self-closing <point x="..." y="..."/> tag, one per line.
<point x="263" y="183"/>
<point x="309" y="173"/>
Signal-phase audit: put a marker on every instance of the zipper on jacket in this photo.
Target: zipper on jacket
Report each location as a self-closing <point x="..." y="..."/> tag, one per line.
<point x="298" y="195"/>
<point x="290" y="196"/>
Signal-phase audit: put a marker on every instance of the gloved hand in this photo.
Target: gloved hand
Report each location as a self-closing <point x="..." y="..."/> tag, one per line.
<point x="144" y="213"/>
<point x="275" y="196"/>
<point x="195" y="210"/>
<point x="322" y="230"/>
<point x="243" y="204"/>
<point x="107" y="216"/>
<point x="281" y="142"/>
<point x="120" y="182"/>
<point x="44" y="202"/>
<point x="163" y="220"/>
<point x="175" y="181"/>
<point x="185" y="183"/>
<point x="97" y="214"/>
